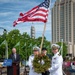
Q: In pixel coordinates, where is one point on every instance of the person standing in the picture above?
(31, 58)
(57, 61)
(44, 51)
(15, 59)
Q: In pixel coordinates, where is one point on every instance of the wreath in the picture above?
(41, 63)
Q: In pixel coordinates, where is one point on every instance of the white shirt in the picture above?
(15, 55)
(56, 66)
(32, 72)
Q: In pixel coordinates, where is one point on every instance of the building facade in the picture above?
(33, 32)
(63, 23)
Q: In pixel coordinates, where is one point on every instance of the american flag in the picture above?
(38, 13)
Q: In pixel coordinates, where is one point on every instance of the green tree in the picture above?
(24, 43)
(13, 37)
(2, 46)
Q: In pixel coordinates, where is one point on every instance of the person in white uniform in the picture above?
(31, 58)
(57, 61)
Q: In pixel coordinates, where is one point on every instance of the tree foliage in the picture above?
(25, 45)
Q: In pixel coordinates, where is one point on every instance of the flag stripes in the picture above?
(38, 13)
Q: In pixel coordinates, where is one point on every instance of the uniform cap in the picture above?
(55, 46)
(36, 48)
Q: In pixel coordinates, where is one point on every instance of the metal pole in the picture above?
(6, 44)
(6, 50)
(62, 47)
(19, 48)
(26, 57)
(31, 47)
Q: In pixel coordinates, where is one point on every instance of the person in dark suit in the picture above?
(44, 51)
(15, 60)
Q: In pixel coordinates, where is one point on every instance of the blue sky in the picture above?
(9, 11)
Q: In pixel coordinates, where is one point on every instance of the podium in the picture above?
(14, 68)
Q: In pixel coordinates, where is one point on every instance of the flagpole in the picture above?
(43, 34)
(62, 47)
(42, 37)
(19, 49)
(7, 49)
(6, 52)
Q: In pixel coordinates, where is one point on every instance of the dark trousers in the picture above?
(46, 73)
(10, 70)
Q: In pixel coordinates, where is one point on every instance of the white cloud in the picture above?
(5, 13)
(11, 13)
(6, 1)
(5, 22)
